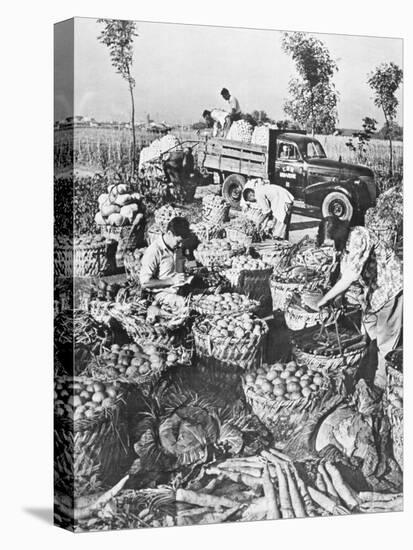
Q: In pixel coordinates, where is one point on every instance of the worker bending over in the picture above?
(276, 205)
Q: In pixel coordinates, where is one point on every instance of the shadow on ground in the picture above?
(44, 514)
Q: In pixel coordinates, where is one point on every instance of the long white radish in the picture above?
(202, 499)
(285, 502)
(308, 503)
(272, 508)
(330, 489)
(298, 507)
(371, 496)
(346, 493)
(327, 503)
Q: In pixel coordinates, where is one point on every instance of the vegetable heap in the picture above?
(222, 304)
(90, 241)
(132, 360)
(240, 130)
(284, 381)
(84, 398)
(260, 135)
(240, 327)
(325, 342)
(118, 207)
(155, 150)
(165, 214)
(295, 274)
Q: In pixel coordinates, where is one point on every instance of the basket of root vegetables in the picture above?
(165, 214)
(284, 396)
(91, 439)
(84, 256)
(228, 303)
(237, 340)
(242, 230)
(217, 252)
(394, 401)
(206, 231)
(274, 253)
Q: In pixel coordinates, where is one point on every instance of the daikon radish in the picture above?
(285, 502)
(309, 505)
(346, 493)
(202, 499)
(298, 507)
(217, 517)
(330, 489)
(280, 455)
(272, 508)
(367, 496)
(320, 483)
(327, 503)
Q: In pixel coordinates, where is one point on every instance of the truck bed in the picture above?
(236, 157)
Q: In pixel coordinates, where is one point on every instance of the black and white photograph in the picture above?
(228, 274)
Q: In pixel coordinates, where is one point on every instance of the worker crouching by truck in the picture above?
(276, 205)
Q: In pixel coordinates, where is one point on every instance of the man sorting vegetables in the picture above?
(276, 205)
(374, 265)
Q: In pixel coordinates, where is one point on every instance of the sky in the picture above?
(180, 70)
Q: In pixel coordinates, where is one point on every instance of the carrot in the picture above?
(298, 508)
(285, 502)
(330, 489)
(273, 511)
(327, 503)
(202, 499)
(346, 493)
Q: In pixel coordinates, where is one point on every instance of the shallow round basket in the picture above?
(285, 418)
(216, 258)
(91, 453)
(332, 364)
(81, 260)
(245, 353)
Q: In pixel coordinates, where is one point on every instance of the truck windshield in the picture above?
(315, 150)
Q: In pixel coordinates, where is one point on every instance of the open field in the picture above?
(97, 148)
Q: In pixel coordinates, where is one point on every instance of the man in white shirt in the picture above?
(219, 119)
(158, 269)
(233, 103)
(276, 205)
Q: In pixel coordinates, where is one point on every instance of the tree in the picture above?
(385, 81)
(260, 116)
(118, 36)
(362, 139)
(313, 97)
(395, 130)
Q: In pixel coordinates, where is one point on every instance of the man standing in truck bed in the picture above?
(234, 108)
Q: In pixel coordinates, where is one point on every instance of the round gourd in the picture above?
(103, 198)
(129, 211)
(99, 220)
(123, 200)
(116, 219)
(108, 209)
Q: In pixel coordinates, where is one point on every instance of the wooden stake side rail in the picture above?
(236, 157)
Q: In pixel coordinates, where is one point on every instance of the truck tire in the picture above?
(232, 189)
(337, 204)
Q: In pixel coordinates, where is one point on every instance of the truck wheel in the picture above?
(337, 204)
(232, 189)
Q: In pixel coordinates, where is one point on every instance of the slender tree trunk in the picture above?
(390, 146)
(133, 130)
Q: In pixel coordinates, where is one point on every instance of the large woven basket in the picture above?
(91, 453)
(287, 418)
(214, 213)
(395, 414)
(126, 237)
(81, 260)
(298, 317)
(245, 353)
(217, 258)
(255, 284)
